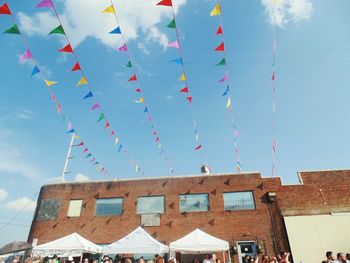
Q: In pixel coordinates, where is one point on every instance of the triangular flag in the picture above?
(95, 106)
(58, 105)
(157, 139)
(102, 116)
(89, 95)
(85, 150)
(69, 126)
(177, 61)
(116, 31)
(26, 55)
(82, 81)
(138, 90)
(53, 96)
(35, 71)
(123, 48)
(224, 78)
(133, 78)
(174, 44)
(89, 155)
(13, 30)
(5, 10)
(67, 49)
(70, 131)
(116, 141)
(129, 65)
(172, 24)
(226, 91)
(219, 31)
(57, 30)
(228, 104)
(80, 144)
(112, 133)
(45, 3)
(106, 125)
(141, 100)
(154, 132)
(145, 110)
(76, 67)
(95, 163)
(182, 77)
(165, 3)
(198, 147)
(92, 160)
(189, 99)
(185, 90)
(216, 10)
(220, 47)
(222, 62)
(109, 9)
(49, 82)
(120, 147)
(273, 76)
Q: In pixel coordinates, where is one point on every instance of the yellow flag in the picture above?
(228, 104)
(216, 11)
(76, 137)
(142, 99)
(82, 81)
(49, 82)
(182, 77)
(109, 9)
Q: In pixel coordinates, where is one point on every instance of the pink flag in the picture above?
(58, 107)
(45, 3)
(26, 55)
(112, 133)
(123, 48)
(224, 78)
(174, 44)
(95, 106)
(85, 150)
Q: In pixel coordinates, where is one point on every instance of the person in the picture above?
(195, 260)
(206, 259)
(160, 259)
(85, 260)
(329, 257)
(140, 260)
(212, 258)
(347, 257)
(105, 259)
(340, 258)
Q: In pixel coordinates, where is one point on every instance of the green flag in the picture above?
(57, 30)
(129, 65)
(13, 30)
(222, 62)
(102, 116)
(172, 24)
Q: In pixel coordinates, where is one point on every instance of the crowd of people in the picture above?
(340, 258)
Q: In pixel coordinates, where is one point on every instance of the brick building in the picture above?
(245, 209)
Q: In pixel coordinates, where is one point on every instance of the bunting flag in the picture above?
(141, 100)
(115, 31)
(71, 131)
(57, 30)
(89, 95)
(182, 77)
(177, 61)
(76, 67)
(228, 104)
(185, 90)
(120, 147)
(216, 10)
(189, 99)
(145, 110)
(138, 90)
(107, 125)
(219, 31)
(129, 65)
(109, 9)
(133, 78)
(85, 150)
(67, 49)
(112, 133)
(224, 78)
(172, 24)
(35, 71)
(198, 147)
(116, 141)
(165, 3)
(220, 47)
(87, 156)
(45, 3)
(95, 106)
(26, 55)
(50, 82)
(273, 76)
(82, 81)
(102, 116)
(13, 30)
(226, 91)
(174, 44)
(123, 48)
(4, 9)
(222, 62)
(58, 106)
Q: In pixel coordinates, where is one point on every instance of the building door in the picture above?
(246, 248)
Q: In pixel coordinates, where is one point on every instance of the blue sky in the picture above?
(312, 124)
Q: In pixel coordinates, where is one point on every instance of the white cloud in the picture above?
(81, 178)
(3, 194)
(22, 204)
(82, 19)
(281, 12)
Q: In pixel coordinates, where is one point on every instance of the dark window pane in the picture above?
(109, 206)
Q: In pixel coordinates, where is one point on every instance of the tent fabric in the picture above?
(71, 245)
(138, 241)
(198, 242)
(13, 247)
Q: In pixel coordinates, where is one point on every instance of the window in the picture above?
(150, 205)
(109, 206)
(239, 201)
(194, 203)
(74, 208)
(48, 209)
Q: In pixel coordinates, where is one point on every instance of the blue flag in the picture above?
(115, 31)
(35, 70)
(226, 91)
(89, 95)
(177, 61)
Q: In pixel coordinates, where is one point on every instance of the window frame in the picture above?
(151, 196)
(239, 209)
(110, 198)
(208, 198)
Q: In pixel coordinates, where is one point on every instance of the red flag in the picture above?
(58, 107)
(133, 78)
(138, 90)
(67, 48)
(165, 3)
(85, 150)
(220, 47)
(112, 133)
(107, 124)
(157, 139)
(80, 144)
(219, 31)
(198, 147)
(76, 67)
(189, 99)
(273, 76)
(5, 10)
(53, 97)
(154, 132)
(185, 90)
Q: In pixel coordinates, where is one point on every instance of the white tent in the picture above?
(71, 245)
(138, 241)
(198, 242)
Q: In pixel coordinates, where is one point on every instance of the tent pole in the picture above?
(229, 256)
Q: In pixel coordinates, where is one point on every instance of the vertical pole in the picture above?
(67, 158)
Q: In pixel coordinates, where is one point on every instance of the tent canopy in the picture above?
(198, 242)
(71, 245)
(138, 241)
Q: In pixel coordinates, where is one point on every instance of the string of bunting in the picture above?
(183, 77)
(36, 71)
(273, 79)
(216, 11)
(135, 80)
(96, 106)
